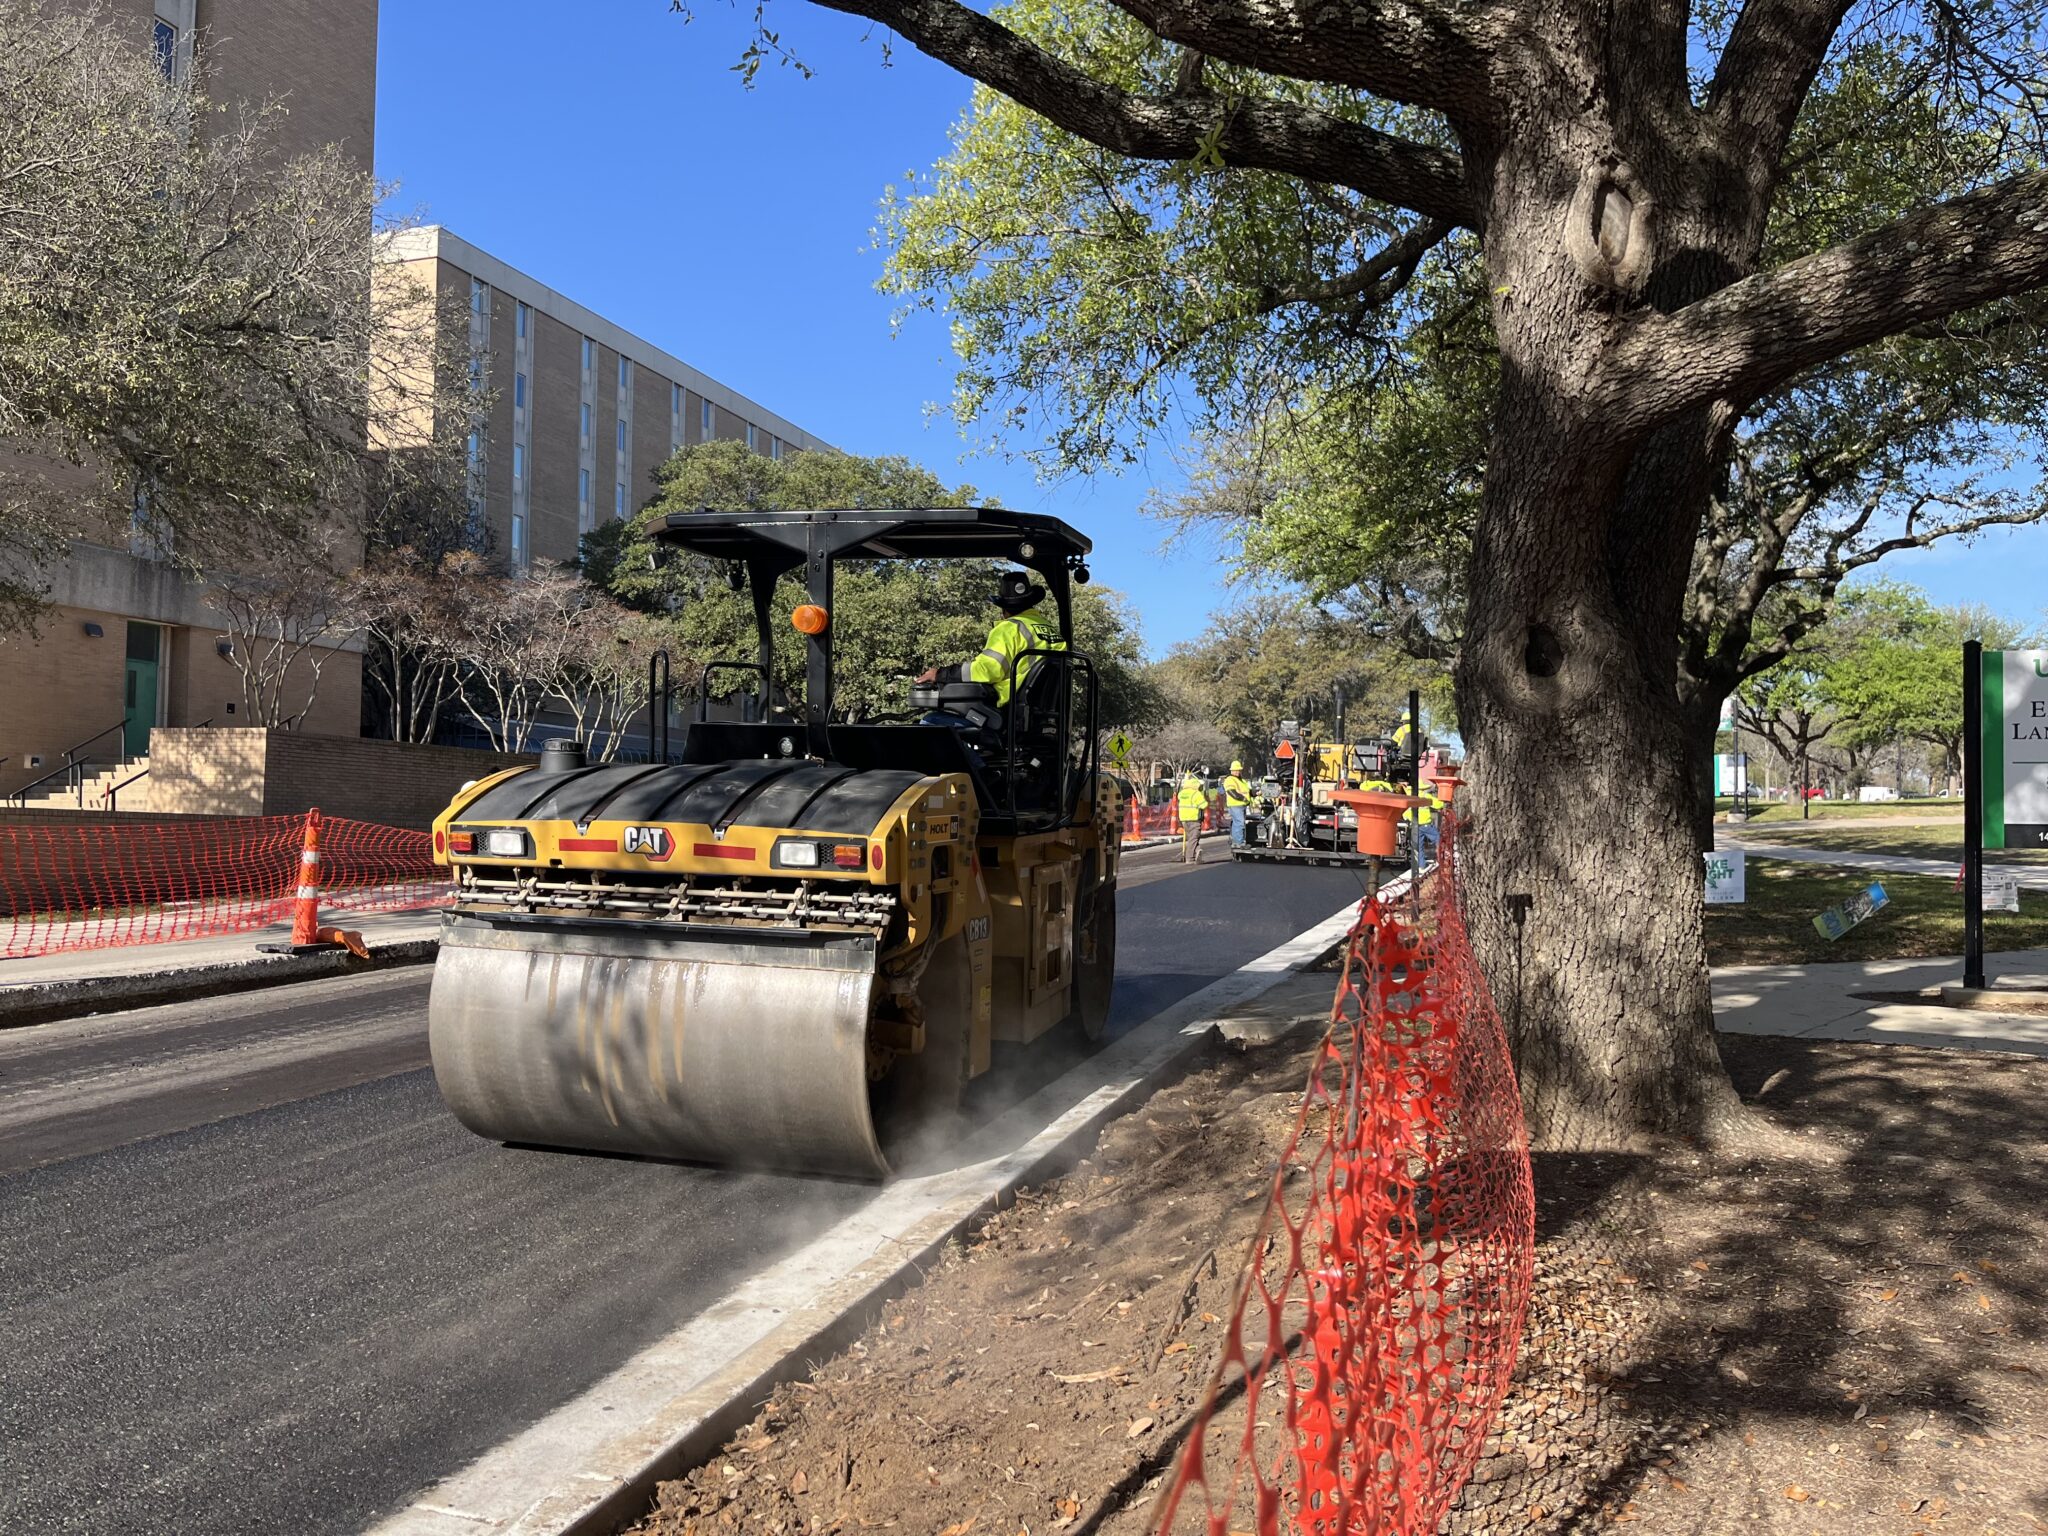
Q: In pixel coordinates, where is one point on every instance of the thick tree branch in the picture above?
(1753, 335)
(1402, 50)
(1773, 54)
(1376, 280)
(1258, 135)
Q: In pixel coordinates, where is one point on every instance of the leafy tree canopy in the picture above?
(190, 336)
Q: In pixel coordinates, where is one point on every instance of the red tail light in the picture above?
(849, 855)
(462, 842)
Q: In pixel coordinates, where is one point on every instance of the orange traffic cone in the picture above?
(308, 937)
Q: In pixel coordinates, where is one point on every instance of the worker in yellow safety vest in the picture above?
(1426, 831)
(1024, 626)
(1237, 799)
(1404, 739)
(1193, 800)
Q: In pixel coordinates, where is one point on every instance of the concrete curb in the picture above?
(46, 1002)
(594, 1462)
(1995, 999)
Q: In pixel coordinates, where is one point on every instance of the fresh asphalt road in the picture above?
(253, 1276)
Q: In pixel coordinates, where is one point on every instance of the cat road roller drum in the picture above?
(794, 947)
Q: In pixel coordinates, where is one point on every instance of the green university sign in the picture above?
(2015, 755)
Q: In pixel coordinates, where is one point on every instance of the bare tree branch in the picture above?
(1421, 54)
(1766, 69)
(1753, 335)
(1258, 135)
(1376, 280)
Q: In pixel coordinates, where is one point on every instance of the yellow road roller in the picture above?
(795, 945)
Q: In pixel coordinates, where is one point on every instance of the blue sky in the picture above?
(618, 158)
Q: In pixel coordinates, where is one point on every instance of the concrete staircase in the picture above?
(99, 780)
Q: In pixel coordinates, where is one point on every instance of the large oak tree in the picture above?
(1617, 165)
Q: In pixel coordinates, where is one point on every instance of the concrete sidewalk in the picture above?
(1868, 1001)
(2033, 877)
(140, 975)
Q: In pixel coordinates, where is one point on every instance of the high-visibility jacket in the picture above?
(1425, 813)
(1236, 792)
(1404, 734)
(1192, 799)
(1013, 635)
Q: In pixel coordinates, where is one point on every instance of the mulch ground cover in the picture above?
(1845, 1338)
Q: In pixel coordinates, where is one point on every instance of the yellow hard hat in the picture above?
(1236, 766)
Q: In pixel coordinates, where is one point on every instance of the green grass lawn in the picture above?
(1935, 842)
(1775, 811)
(1923, 918)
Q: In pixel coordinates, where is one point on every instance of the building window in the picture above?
(705, 415)
(476, 451)
(519, 390)
(167, 48)
(479, 296)
(750, 436)
(625, 373)
(518, 541)
(589, 353)
(774, 447)
(675, 399)
(523, 313)
(518, 465)
(586, 421)
(622, 435)
(582, 487)
(476, 375)
(619, 499)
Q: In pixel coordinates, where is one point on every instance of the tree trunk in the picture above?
(1586, 789)
(1700, 721)
(1584, 794)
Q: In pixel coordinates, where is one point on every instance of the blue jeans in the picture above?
(1426, 837)
(1237, 826)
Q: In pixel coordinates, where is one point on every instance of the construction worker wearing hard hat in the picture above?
(1024, 626)
(1424, 826)
(1192, 800)
(1237, 799)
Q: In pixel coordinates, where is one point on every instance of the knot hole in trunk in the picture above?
(1609, 229)
(1542, 652)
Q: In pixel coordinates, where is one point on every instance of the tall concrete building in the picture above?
(130, 643)
(582, 412)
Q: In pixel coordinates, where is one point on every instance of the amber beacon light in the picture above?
(809, 619)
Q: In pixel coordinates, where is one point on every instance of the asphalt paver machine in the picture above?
(796, 945)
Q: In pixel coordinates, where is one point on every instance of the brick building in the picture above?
(130, 644)
(582, 412)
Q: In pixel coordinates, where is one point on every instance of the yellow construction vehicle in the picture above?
(795, 946)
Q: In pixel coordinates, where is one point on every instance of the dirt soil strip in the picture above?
(595, 1462)
(1844, 1341)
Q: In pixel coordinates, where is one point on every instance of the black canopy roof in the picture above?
(920, 533)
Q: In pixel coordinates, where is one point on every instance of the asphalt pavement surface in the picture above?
(254, 1277)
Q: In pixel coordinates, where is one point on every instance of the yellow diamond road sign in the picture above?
(1120, 749)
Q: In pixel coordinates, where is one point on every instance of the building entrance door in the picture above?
(145, 642)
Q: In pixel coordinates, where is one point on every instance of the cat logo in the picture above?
(654, 842)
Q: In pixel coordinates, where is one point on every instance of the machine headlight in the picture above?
(503, 843)
(792, 854)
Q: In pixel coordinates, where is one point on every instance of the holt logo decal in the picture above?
(653, 842)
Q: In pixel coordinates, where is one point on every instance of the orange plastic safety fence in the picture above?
(71, 887)
(1381, 1305)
